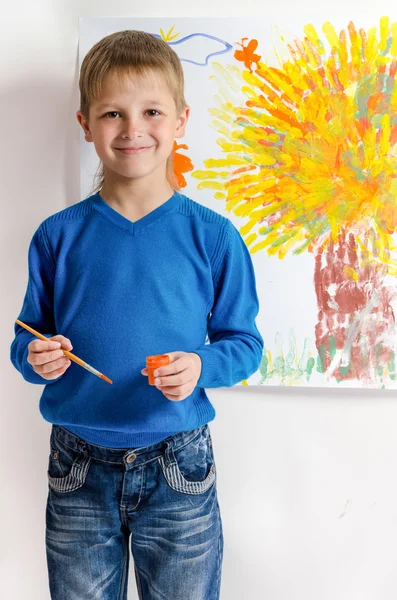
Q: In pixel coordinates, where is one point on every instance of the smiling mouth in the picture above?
(133, 150)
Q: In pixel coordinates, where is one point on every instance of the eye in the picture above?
(112, 112)
(152, 112)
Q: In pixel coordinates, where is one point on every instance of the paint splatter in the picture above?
(356, 322)
(287, 367)
(170, 35)
(313, 148)
(195, 43)
(181, 164)
(247, 53)
(310, 155)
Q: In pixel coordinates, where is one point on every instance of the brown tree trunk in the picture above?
(355, 328)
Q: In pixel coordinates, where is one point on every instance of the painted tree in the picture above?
(310, 163)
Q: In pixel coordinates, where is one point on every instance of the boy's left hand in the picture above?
(178, 379)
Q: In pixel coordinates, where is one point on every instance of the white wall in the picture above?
(306, 477)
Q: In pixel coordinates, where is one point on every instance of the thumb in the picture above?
(65, 342)
(174, 355)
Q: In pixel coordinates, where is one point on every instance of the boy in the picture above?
(134, 270)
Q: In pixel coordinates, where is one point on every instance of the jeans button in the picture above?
(131, 458)
(56, 455)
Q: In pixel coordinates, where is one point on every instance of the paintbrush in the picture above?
(71, 356)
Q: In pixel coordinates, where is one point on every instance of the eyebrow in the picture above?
(114, 104)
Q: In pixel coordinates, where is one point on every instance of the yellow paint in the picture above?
(313, 148)
(168, 37)
(351, 273)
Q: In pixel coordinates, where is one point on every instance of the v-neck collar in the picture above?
(134, 227)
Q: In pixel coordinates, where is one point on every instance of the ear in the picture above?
(85, 126)
(181, 122)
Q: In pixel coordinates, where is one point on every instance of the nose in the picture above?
(132, 127)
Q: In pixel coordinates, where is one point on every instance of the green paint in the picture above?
(379, 368)
(321, 358)
(332, 345)
(280, 240)
(297, 366)
(392, 367)
(263, 366)
(345, 370)
(379, 371)
(279, 364)
(310, 364)
(289, 366)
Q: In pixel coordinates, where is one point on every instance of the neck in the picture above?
(135, 198)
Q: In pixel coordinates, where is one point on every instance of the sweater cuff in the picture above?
(210, 376)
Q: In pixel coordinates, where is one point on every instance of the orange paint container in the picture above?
(153, 362)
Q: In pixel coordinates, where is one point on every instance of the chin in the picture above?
(136, 174)
(136, 171)
(130, 173)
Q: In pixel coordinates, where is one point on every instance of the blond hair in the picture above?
(130, 52)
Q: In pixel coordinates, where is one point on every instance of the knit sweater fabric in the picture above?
(178, 279)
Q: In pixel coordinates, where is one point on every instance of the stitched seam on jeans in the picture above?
(125, 571)
(120, 463)
(56, 460)
(64, 444)
(189, 441)
(74, 480)
(123, 514)
(143, 464)
(138, 583)
(175, 449)
(219, 550)
(110, 462)
(143, 474)
(178, 483)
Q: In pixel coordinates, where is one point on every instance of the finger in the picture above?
(177, 366)
(55, 374)
(66, 343)
(55, 365)
(178, 395)
(173, 380)
(179, 390)
(41, 358)
(41, 346)
(173, 398)
(144, 371)
(173, 356)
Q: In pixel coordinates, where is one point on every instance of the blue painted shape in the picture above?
(226, 47)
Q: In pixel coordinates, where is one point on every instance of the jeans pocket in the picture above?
(67, 467)
(192, 467)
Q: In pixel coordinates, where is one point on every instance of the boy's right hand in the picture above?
(47, 358)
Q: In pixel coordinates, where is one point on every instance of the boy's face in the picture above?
(133, 125)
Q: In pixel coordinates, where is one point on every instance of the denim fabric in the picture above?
(161, 498)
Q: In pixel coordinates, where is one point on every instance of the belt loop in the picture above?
(82, 445)
(169, 455)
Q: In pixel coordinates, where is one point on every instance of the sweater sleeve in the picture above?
(235, 349)
(37, 309)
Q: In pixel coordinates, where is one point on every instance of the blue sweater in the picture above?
(177, 278)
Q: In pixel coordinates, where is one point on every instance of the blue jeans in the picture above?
(163, 496)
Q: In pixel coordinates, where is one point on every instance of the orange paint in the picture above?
(153, 362)
(244, 169)
(182, 164)
(247, 54)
